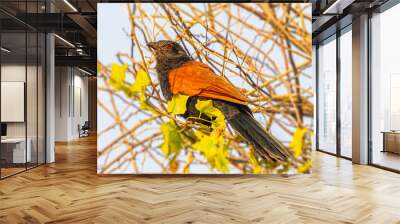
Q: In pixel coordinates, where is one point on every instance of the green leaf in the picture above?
(204, 105)
(177, 105)
(213, 146)
(143, 102)
(139, 86)
(117, 80)
(172, 139)
(214, 149)
(205, 145)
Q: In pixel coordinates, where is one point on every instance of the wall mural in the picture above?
(213, 88)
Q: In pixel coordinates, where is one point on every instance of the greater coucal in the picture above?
(178, 73)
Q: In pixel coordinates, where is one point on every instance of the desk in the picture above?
(391, 141)
(16, 147)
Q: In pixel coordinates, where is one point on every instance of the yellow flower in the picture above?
(177, 105)
(142, 80)
(118, 75)
(298, 141)
(304, 167)
(206, 107)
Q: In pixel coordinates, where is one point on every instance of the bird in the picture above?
(178, 73)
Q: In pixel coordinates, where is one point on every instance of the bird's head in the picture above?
(166, 49)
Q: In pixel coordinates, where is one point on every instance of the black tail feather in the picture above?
(265, 145)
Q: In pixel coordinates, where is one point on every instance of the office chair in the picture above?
(84, 130)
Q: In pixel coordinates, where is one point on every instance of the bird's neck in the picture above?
(163, 67)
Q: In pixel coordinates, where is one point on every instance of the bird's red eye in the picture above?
(168, 46)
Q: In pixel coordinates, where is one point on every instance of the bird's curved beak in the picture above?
(152, 45)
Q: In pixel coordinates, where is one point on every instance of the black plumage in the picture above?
(171, 55)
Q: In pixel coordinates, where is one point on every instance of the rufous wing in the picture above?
(197, 79)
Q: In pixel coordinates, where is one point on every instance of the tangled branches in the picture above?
(263, 49)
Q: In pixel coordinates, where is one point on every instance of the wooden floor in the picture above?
(5, 172)
(69, 191)
(387, 159)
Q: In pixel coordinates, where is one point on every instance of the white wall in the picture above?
(80, 110)
(71, 102)
(62, 82)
